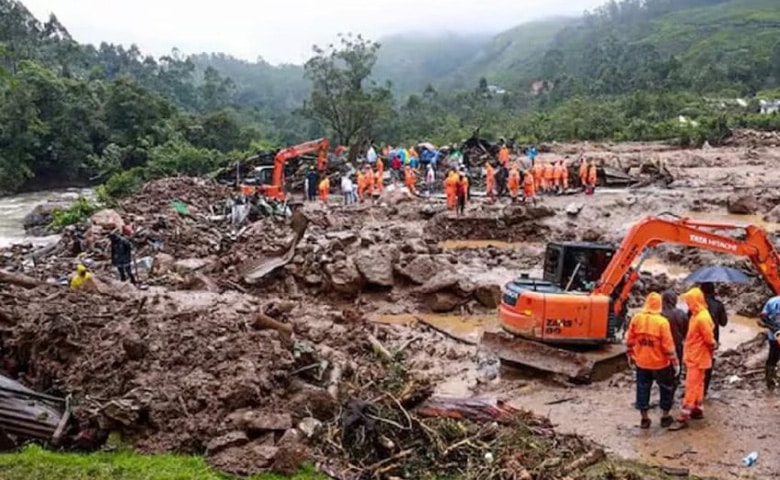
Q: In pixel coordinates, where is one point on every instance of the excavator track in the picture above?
(577, 366)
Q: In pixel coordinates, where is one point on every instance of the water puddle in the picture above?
(738, 331)
(466, 328)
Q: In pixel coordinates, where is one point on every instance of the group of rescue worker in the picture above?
(121, 249)
(662, 338)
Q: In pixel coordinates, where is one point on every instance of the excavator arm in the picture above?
(320, 146)
(654, 231)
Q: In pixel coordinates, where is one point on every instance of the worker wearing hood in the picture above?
(650, 348)
(699, 347)
(678, 320)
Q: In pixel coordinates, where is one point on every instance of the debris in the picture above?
(742, 204)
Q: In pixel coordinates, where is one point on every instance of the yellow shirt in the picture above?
(78, 280)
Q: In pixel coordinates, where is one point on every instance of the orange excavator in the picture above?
(269, 180)
(572, 320)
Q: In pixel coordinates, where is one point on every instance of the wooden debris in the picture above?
(591, 458)
(264, 322)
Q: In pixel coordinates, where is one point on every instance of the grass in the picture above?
(35, 463)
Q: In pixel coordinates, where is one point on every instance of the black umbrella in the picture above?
(717, 274)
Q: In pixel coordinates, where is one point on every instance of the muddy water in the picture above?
(476, 244)
(13, 209)
(658, 267)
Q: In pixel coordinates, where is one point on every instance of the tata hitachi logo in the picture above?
(713, 242)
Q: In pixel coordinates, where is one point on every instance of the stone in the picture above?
(40, 217)
(488, 295)
(742, 204)
(421, 269)
(442, 302)
(376, 265)
(188, 265)
(344, 277)
(107, 219)
(773, 216)
(309, 426)
(263, 421)
(573, 209)
(229, 440)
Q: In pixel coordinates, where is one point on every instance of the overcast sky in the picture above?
(285, 31)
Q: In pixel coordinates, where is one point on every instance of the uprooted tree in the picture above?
(341, 97)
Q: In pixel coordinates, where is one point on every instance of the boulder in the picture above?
(40, 217)
(437, 283)
(421, 269)
(245, 460)
(107, 219)
(376, 265)
(442, 302)
(188, 265)
(489, 295)
(742, 204)
(232, 439)
(574, 208)
(163, 263)
(344, 277)
(773, 216)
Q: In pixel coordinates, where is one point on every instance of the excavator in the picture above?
(571, 321)
(268, 180)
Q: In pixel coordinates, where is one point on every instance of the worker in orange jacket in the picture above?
(700, 345)
(564, 175)
(324, 188)
(490, 180)
(548, 177)
(513, 183)
(410, 178)
(379, 176)
(583, 173)
(592, 177)
(503, 155)
(361, 184)
(450, 188)
(557, 176)
(650, 348)
(538, 170)
(370, 181)
(529, 187)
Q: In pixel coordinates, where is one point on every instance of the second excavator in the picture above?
(572, 320)
(268, 180)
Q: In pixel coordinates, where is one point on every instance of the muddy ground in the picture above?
(260, 374)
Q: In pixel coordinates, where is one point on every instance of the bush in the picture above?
(82, 209)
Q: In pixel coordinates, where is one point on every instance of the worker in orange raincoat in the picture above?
(361, 184)
(583, 173)
(592, 177)
(650, 348)
(503, 155)
(322, 160)
(513, 182)
(370, 181)
(324, 189)
(564, 175)
(490, 180)
(700, 345)
(450, 188)
(538, 170)
(379, 176)
(557, 176)
(529, 187)
(548, 177)
(410, 179)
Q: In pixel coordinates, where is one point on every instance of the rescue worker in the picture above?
(430, 179)
(592, 177)
(467, 182)
(322, 160)
(347, 189)
(719, 318)
(538, 170)
(81, 278)
(370, 181)
(557, 177)
(379, 176)
(529, 190)
(513, 183)
(410, 179)
(564, 176)
(461, 188)
(312, 180)
(650, 349)
(503, 155)
(583, 173)
(547, 177)
(361, 185)
(532, 154)
(490, 180)
(324, 189)
(770, 318)
(450, 188)
(122, 254)
(698, 350)
(678, 320)
(502, 177)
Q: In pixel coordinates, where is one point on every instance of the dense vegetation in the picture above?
(72, 113)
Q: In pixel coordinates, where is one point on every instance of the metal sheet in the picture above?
(26, 413)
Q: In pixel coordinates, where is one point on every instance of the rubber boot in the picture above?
(769, 376)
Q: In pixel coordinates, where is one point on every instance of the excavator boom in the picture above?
(547, 320)
(276, 188)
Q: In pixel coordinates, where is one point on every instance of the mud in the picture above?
(254, 376)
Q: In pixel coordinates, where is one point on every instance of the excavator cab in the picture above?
(576, 266)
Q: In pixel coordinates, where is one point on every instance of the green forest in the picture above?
(77, 114)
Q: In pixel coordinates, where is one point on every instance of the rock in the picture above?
(773, 216)
(290, 458)
(591, 235)
(312, 280)
(573, 209)
(135, 348)
(245, 460)
(415, 245)
(441, 302)
(489, 295)
(742, 204)
(261, 421)
(188, 265)
(376, 265)
(440, 281)
(107, 219)
(309, 426)
(232, 439)
(163, 263)
(343, 237)
(40, 217)
(421, 269)
(344, 277)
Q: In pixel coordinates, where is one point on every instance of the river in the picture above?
(14, 208)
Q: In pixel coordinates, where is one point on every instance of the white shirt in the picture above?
(346, 185)
(371, 155)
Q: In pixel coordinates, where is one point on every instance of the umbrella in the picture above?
(717, 274)
(426, 145)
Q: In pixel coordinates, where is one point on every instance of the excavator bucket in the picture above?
(577, 366)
